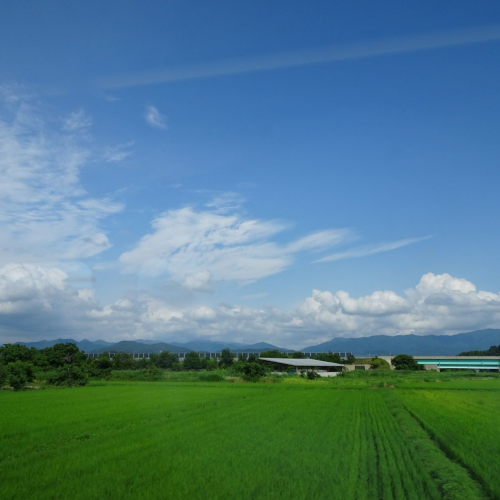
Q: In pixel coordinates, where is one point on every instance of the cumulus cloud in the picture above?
(45, 213)
(154, 118)
(40, 302)
(186, 243)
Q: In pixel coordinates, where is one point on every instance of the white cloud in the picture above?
(45, 213)
(186, 243)
(277, 61)
(116, 154)
(366, 250)
(39, 302)
(154, 118)
(77, 120)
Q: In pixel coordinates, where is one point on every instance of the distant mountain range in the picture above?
(84, 345)
(438, 345)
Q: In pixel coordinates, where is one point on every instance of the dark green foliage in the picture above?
(298, 355)
(405, 362)
(176, 367)
(16, 352)
(70, 376)
(330, 357)
(4, 375)
(253, 371)
(380, 364)
(312, 375)
(273, 353)
(17, 382)
(192, 361)
(152, 372)
(211, 377)
(123, 361)
(226, 358)
(492, 351)
(20, 373)
(211, 365)
(102, 362)
(166, 360)
(350, 359)
(61, 354)
(141, 363)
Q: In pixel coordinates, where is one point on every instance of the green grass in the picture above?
(296, 439)
(466, 424)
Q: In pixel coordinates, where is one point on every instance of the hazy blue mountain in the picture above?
(146, 341)
(84, 345)
(131, 346)
(263, 346)
(209, 345)
(438, 345)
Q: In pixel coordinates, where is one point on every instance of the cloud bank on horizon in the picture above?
(32, 295)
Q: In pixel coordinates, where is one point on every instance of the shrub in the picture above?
(70, 376)
(405, 362)
(379, 364)
(20, 373)
(4, 375)
(153, 373)
(211, 377)
(253, 371)
(312, 375)
(18, 382)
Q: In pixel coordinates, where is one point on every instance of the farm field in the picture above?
(296, 439)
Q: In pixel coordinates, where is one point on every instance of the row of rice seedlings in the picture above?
(465, 423)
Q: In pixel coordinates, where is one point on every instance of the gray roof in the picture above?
(300, 362)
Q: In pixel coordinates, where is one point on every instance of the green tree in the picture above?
(4, 375)
(298, 355)
(405, 362)
(211, 365)
(226, 358)
(166, 360)
(350, 359)
(123, 361)
(9, 353)
(330, 357)
(61, 354)
(20, 373)
(70, 376)
(253, 371)
(192, 361)
(273, 353)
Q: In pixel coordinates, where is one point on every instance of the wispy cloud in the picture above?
(154, 118)
(116, 154)
(197, 248)
(366, 250)
(45, 213)
(361, 50)
(77, 120)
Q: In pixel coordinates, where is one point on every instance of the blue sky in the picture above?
(232, 170)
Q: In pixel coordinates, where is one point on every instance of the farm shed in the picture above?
(323, 368)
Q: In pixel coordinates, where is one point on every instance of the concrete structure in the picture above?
(477, 363)
(208, 355)
(351, 368)
(322, 368)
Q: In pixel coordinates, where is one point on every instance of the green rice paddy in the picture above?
(351, 438)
